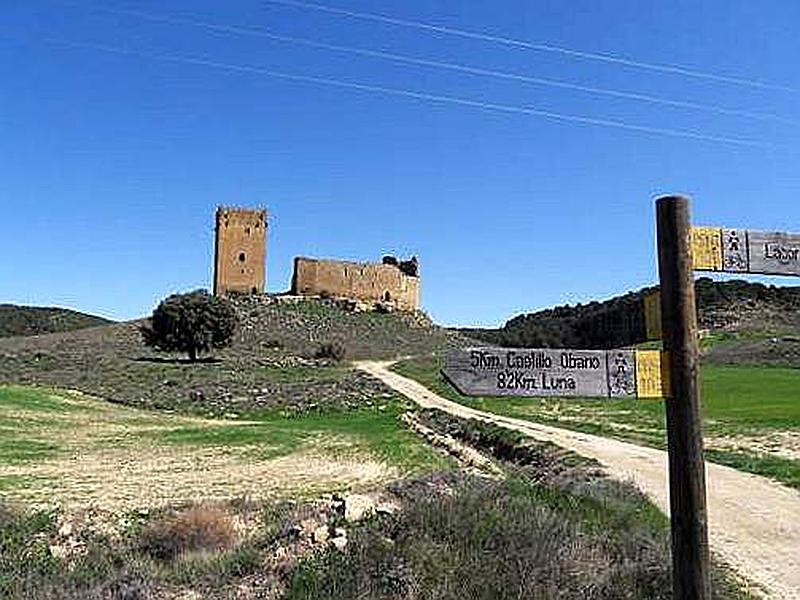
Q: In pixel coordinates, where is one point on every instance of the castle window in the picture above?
(241, 257)
(247, 230)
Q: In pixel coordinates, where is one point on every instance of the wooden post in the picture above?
(687, 483)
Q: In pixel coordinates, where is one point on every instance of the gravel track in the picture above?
(754, 523)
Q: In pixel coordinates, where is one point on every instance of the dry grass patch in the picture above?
(781, 444)
(80, 452)
(197, 529)
(118, 480)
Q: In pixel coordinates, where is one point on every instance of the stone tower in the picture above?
(240, 251)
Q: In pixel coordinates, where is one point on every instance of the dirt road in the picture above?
(754, 524)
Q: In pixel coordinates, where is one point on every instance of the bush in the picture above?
(486, 539)
(198, 529)
(410, 267)
(24, 552)
(192, 323)
(335, 351)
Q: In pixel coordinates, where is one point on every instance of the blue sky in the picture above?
(111, 164)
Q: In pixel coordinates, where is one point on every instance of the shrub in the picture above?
(487, 539)
(192, 323)
(197, 529)
(24, 552)
(335, 351)
(410, 267)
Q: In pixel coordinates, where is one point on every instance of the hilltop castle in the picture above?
(240, 267)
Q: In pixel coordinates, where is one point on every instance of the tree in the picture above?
(193, 323)
(410, 267)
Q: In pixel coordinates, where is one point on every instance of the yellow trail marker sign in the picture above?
(652, 374)
(707, 248)
(548, 372)
(652, 316)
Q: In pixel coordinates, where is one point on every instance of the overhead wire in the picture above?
(461, 68)
(538, 46)
(415, 94)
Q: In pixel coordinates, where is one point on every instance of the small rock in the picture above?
(386, 509)
(339, 542)
(295, 531)
(308, 527)
(358, 506)
(340, 532)
(321, 534)
(59, 552)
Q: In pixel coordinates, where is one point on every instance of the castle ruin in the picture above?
(240, 267)
(240, 251)
(389, 282)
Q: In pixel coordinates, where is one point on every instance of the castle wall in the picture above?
(240, 251)
(368, 282)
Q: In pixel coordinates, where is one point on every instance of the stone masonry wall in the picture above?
(368, 282)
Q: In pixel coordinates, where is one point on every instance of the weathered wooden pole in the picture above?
(687, 482)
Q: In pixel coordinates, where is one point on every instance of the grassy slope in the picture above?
(40, 427)
(37, 320)
(267, 366)
(47, 432)
(571, 534)
(556, 527)
(743, 401)
(264, 377)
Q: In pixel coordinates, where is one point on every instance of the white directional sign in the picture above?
(745, 251)
(485, 371)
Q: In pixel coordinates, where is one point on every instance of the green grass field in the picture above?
(751, 415)
(66, 447)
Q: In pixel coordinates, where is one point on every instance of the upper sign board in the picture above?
(486, 371)
(744, 251)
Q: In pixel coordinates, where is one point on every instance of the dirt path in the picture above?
(754, 524)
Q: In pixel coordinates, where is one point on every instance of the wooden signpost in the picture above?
(668, 314)
(687, 479)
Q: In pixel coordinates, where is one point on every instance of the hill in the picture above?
(35, 320)
(745, 322)
(270, 364)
